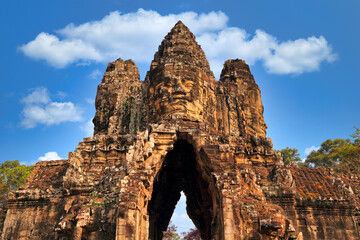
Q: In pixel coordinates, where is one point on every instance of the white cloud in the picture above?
(310, 149)
(90, 101)
(50, 156)
(40, 110)
(60, 53)
(136, 35)
(301, 55)
(96, 74)
(61, 94)
(132, 35)
(88, 128)
(291, 57)
(37, 96)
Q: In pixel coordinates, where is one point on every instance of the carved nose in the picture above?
(178, 88)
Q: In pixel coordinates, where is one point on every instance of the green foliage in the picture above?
(94, 203)
(125, 103)
(343, 155)
(192, 234)
(323, 157)
(170, 233)
(290, 155)
(348, 157)
(12, 176)
(356, 135)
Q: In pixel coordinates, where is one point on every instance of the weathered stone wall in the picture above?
(34, 210)
(117, 103)
(180, 130)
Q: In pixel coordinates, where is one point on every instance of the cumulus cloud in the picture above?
(50, 156)
(310, 149)
(37, 96)
(291, 57)
(39, 109)
(136, 35)
(132, 35)
(90, 101)
(61, 94)
(96, 74)
(60, 53)
(301, 55)
(88, 128)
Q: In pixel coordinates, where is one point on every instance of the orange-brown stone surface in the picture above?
(181, 130)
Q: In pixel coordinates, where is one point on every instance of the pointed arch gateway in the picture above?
(183, 169)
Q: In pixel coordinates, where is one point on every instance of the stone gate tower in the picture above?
(181, 130)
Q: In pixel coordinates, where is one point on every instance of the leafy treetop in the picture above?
(12, 176)
(343, 155)
(290, 155)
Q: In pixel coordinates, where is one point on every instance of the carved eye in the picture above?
(167, 84)
(189, 84)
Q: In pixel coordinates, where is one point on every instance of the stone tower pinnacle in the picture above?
(179, 45)
(178, 77)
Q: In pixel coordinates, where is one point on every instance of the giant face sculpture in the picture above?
(176, 91)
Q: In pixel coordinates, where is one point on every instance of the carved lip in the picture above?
(179, 94)
(175, 93)
(181, 97)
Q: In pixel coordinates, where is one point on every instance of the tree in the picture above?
(348, 157)
(343, 155)
(356, 136)
(192, 234)
(170, 233)
(12, 176)
(324, 156)
(290, 155)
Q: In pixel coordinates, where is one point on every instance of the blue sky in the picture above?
(303, 55)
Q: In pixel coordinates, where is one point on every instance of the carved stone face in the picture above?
(177, 93)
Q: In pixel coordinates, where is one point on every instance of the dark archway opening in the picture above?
(181, 171)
